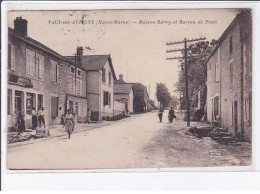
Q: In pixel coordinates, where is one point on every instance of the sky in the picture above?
(138, 49)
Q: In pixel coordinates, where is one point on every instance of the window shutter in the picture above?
(57, 75)
(9, 56)
(12, 57)
(104, 98)
(53, 70)
(109, 99)
(40, 66)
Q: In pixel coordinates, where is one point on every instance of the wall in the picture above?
(231, 92)
(107, 110)
(213, 87)
(119, 107)
(40, 86)
(93, 93)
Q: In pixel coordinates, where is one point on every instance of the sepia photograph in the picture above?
(129, 89)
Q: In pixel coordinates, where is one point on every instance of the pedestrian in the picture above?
(171, 115)
(69, 122)
(160, 114)
(88, 116)
(41, 115)
(74, 118)
(34, 119)
(20, 122)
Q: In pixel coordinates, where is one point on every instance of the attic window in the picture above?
(72, 70)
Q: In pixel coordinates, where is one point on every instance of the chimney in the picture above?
(121, 77)
(20, 26)
(79, 55)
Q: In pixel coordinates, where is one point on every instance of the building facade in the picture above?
(36, 78)
(100, 87)
(229, 79)
(124, 92)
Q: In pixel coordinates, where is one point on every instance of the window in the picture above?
(11, 57)
(216, 107)
(230, 45)
(55, 72)
(109, 99)
(30, 62)
(19, 99)
(76, 107)
(104, 75)
(78, 86)
(106, 98)
(109, 78)
(71, 85)
(54, 106)
(79, 73)
(70, 105)
(40, 65)
(209, 66)
(9, 102)
(30, 102)
(40, 101)
(248, 108)
(72, 70)
(231, 73)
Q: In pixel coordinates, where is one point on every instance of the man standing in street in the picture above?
(160, 114)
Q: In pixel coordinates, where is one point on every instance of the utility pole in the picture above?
(185, 68)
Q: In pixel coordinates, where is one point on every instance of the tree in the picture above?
(163, 95)
(174, 101)
(197, 72)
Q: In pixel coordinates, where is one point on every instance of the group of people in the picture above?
(37, 118)
(171, 114)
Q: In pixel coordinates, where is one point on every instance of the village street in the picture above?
(136, 142)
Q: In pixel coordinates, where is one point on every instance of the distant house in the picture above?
(37, 77)
(229, 78)
(124, 92)
(141, 97)
(100, 85)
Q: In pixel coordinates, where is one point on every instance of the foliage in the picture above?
(197, 72)
(163, 94)
(174, 102)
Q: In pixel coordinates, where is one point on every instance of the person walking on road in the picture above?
(160, 114)
(171, 115)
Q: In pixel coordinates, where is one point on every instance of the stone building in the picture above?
(229, 78)
(100, 85)
(124, 92)
(37, 77)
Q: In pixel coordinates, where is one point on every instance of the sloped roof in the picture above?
(94, 62)
(122, 88)
(37, 44)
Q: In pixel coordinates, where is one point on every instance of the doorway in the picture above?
(235, 116)
(18, 101)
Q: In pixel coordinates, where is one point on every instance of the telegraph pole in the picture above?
(185, 68)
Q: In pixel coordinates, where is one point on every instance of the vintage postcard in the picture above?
(129, 89)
